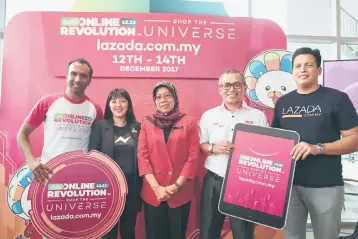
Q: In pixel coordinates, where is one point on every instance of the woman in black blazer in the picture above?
(117, 137)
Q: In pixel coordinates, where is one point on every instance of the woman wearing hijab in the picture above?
(168, 157)
(117, 137)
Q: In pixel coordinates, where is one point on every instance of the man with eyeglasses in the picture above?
(216, 132)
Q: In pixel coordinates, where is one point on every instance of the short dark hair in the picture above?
(231, 71)
(306, 50)
(115, 94)
(82, 61)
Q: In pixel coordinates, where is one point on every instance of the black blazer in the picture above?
(102, 140)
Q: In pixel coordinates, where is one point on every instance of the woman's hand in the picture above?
(172, 189)
(162, 194)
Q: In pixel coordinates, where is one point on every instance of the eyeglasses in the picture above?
(236, 85)
(165, 97)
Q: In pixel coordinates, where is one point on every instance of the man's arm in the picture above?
(221, 147)
(346, 145)
(204, 148)
(345, 116)
(40, 171)
(204, 135)
(23, 140)
(33, 120)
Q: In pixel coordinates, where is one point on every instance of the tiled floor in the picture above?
(344, 232)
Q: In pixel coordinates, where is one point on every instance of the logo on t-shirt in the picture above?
(123, 140)
(72, 119)
(75, 125)
(301, 111)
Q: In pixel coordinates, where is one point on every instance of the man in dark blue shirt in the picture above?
(327, 122)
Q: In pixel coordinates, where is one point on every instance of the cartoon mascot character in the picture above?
(17, 199)
(268, 77)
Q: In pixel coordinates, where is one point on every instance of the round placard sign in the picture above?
(83, 199)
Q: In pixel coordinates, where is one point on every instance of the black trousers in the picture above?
(211, 220)
(163, 222)
(128, 219)
(126, 224)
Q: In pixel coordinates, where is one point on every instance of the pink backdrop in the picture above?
(26, 78)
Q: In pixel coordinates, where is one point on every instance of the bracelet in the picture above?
(211, 148)
(177, 185)
(156, 188)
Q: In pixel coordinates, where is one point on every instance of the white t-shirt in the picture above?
(218, 124)
(67, 124)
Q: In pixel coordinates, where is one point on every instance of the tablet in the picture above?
(259, 175)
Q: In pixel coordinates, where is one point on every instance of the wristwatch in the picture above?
(321, 148)
(211, 148)
(178, 186)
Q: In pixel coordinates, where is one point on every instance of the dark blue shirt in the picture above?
(318, 117)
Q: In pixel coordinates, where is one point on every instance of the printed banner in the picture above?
(151, 45)
(40, 53)
(259, 173)
(84, 197)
